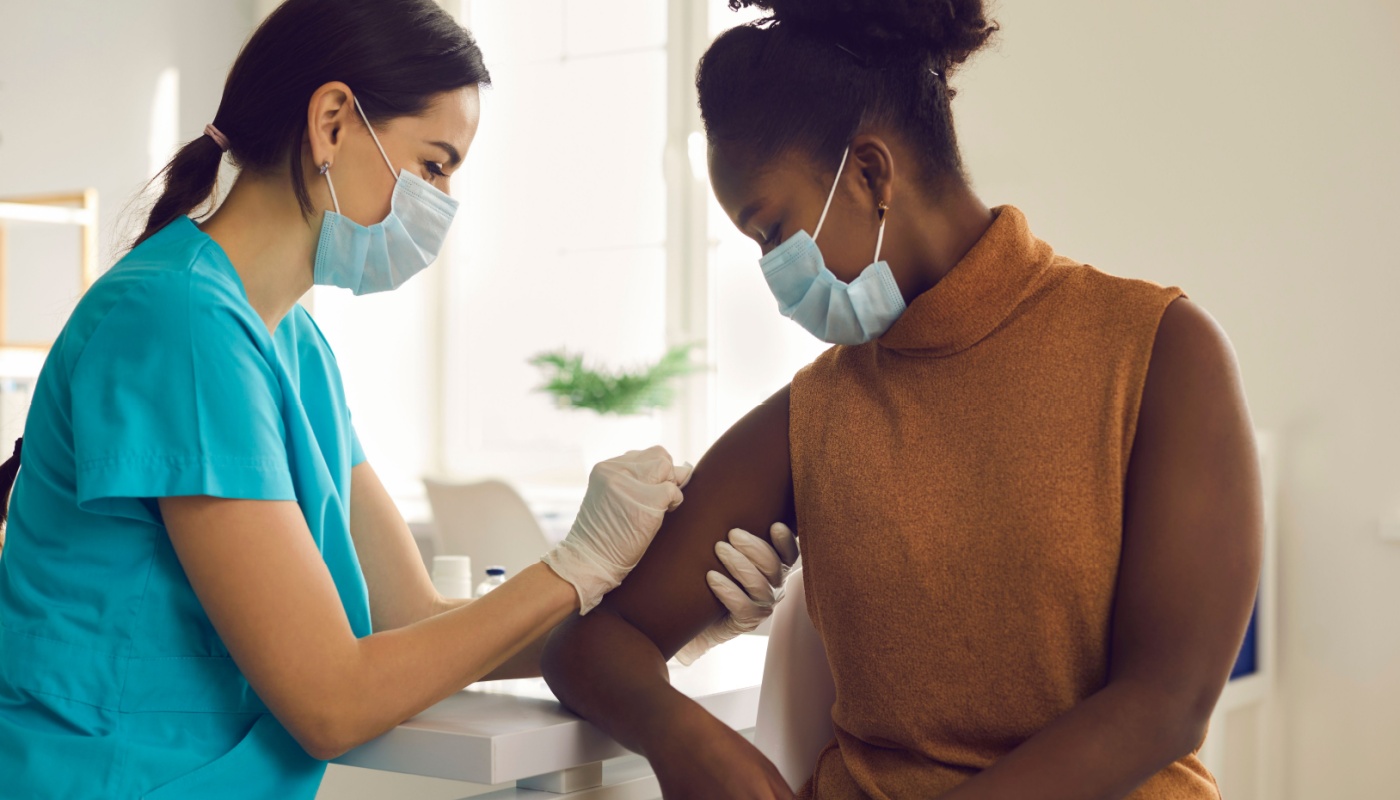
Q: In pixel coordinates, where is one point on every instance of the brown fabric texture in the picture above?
(959, 487)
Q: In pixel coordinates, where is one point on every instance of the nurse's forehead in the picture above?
(451, 117)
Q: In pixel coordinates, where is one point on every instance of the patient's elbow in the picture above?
(1196, 720)
(1184, 720)
(560, 650)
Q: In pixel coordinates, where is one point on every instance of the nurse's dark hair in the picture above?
(395, 55)
(812, 74)
(8, 472)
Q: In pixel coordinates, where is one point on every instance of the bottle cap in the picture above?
(495, 570)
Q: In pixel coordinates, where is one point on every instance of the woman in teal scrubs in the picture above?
(205, 591)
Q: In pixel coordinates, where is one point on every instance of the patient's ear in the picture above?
(872, 169)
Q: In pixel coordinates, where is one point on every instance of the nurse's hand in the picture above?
(760, 569)
(627, 498)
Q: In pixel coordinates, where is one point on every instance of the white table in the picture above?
(504, 731)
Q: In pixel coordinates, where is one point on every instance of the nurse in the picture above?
(206, 592)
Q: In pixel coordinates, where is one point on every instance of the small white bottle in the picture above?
(452, 576)
(495, 576)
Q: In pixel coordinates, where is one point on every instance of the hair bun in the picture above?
(948, 31)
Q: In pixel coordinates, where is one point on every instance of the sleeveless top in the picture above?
(960, 492)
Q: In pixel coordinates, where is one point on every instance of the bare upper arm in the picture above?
(1193, 518)
(744, 481)
(257, 573)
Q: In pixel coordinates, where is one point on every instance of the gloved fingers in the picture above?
(652, 465)
(673, 495)
(745, 572)
(763, 555)
(721, 631)
(743, 611)
(693, 650)
(683, 472)
(785, 542)
(638, 479)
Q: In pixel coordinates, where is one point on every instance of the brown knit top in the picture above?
(959, 487)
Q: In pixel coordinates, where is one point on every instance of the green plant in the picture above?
(575, 384)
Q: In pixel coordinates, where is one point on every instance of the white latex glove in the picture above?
(627, 498)
(761, 569)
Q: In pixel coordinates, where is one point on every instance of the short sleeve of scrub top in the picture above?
(199, 415)
(357, 453)
(164, 382)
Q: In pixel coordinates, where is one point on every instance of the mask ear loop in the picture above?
(880, 237)
(326, 170)
(832, 195)
(375, 136)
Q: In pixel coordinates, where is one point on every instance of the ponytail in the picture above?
(8, 471)
(189, 182)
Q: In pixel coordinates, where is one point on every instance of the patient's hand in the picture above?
(760, 568)
(703, 758)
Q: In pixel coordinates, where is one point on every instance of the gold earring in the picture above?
(883, 207)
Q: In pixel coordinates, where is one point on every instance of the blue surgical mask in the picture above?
(384, 255)
(829, 308)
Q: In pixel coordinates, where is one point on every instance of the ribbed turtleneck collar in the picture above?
(977, 294)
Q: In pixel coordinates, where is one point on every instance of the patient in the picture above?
(1027, 491)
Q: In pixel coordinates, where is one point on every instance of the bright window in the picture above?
(564, 239)
(586, 223)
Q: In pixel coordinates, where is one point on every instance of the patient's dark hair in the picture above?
(809, 75)
(396, 55)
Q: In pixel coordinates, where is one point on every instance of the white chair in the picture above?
(488, 521)
(795, 700)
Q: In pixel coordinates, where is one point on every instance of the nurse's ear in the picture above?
(327, 115)
(871, 175)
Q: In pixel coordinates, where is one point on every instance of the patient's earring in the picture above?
(881, 209)
(325, 167)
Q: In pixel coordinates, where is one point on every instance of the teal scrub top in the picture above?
(164, 382)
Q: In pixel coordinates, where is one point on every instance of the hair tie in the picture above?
(219, 138)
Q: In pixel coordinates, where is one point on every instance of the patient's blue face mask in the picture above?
(828, 307)
(384, 255)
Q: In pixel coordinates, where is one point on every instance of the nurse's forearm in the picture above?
(396, 674)
(442, 605)
(525, 664)
(267, 590)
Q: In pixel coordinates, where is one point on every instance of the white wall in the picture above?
(1246, 151)
(562, 239)
(77, 82)
(92, 94)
